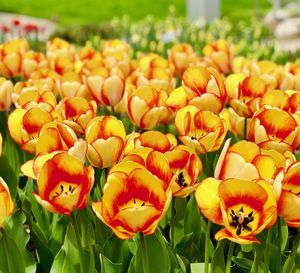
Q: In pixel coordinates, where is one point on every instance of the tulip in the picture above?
(55, 136)
(276, 98)
(64, 184)
(7, 205)
(106, 90)
(133, 200)
(6, 89)
(221, 54)
(289, 202)
(244, 94)
(11, 57)
(235, 123)
(31, 97)
(155, 162)
(186, 168)
(71, 85)
(156, 140)
(205, 88)
(244, 207)
(180, 55)
(245, 160)
(106, 137)
(274, 129)
(32, 61)
(203, 131)
(25, 125)
(146, 107)
(77, 112)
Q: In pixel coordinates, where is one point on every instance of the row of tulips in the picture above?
(110, 161)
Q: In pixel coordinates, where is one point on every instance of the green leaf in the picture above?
(107, 266)
(218, 261)
(68, 259)
(12, 260)
(118, 252)
(187, 248)
(14, 228)
(275, 263)
(243, 262)
(180, 208)
(159, 261)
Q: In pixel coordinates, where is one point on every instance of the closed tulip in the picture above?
(106, 139)
(6, 89)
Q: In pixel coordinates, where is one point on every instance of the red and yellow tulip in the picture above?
(55, 136)
(106, 139)
(6, 89)
(64, 183)
(203, 131)
(205, 88)
(289, 202)
(186, 167)
(76, 112)
(244, 207)
(106, 90)
(6, 202)
(146, 107)
(181, 55)
(221, 55)
(273, 128)
(133, 201)
(25, 125)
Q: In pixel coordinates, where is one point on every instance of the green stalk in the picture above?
(267, 250)
(229, 257)
(245, 128)
(78, 239)
(279, 239)
(173, 211)
(113, 111)
(144, 254)
(206, 254)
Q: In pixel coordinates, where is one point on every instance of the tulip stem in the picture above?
(113, 111)
(267, 251)
(173, 211)
(144, 254)
(279, 239)
(207, 239)
(77, 232)
(229, 257)
(245, 128)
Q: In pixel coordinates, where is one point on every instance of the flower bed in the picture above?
(121, 161)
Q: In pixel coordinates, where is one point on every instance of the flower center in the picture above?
(241, 220)
(180, 180)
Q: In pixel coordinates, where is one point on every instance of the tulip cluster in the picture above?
(153, 126)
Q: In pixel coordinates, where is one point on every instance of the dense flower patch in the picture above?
(120, 163)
